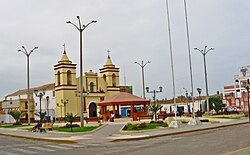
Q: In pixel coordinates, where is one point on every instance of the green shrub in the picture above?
(156, 122)
(204, 120)
(164, 125)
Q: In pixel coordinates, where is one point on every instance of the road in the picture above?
(230, 140)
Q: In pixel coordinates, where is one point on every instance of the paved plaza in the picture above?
(111, 132)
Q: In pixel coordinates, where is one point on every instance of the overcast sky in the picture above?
(133, 30)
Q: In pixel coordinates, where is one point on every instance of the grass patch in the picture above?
(76, 129)
(143, 126)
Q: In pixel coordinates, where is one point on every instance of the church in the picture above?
(96, 87)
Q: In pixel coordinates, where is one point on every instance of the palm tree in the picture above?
(17, 115)
(41, 115)
(70, 118)
(155, 107)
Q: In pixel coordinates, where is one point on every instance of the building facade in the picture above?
(95, 87)
(236, 95)
(63, 96)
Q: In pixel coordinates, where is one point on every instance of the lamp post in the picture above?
(199, 92)
(40, 95)
(81, 28)
(142, 65)
(24, 51)
(61, 109)
(47, 99)
(154, 92)
(247, 87)
(204, 52)
(64, 102)
(187, 99)
(154, 96)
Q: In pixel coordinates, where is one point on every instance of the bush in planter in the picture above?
(204, 120)
(71, 125)
(164, 125)
(142, 125)
(156, 122)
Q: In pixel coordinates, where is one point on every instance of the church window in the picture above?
(104, 77)
(58, 79)
(113, 80)
(69, 79)
(91, 87)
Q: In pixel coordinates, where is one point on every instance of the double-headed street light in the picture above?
(142, 65)
(199, 92)
(24, 51)
(204, 52)
(47, 99)
(154, 92)
(81, 28)
(64, 102)
(40, 95)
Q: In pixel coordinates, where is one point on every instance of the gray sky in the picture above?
(133, 30)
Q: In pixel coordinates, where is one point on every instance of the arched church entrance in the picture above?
(92, 110)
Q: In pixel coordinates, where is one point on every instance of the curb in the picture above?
(176, 133)
(40, 139)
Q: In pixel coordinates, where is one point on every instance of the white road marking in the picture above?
(72, 145)
(58, 147)
(41, 148)
(24, 151)
(7, 153)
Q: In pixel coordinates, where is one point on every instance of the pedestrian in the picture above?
(112, 117)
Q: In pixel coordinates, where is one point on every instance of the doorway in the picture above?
(92, 110)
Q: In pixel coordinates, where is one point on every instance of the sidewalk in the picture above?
(111, 132)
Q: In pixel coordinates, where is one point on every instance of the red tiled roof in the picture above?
(123, 98)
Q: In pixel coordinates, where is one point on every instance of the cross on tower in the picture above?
(108, 52)
(63, 46)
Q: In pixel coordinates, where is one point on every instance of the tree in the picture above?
(216, 103)
(154, 107)
(41, 115)
(70, 118)
(17, 115)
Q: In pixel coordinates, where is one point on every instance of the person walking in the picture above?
(112, 117)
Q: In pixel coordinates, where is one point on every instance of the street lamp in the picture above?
(81, 28)
(47, 99)
(64, 102)
(154, 92)
(142, 65)
(247, 87)
(204, 52)
(61, 109)
(187, 99)
(154, 96)
(40, 95)
(24, 51)
(199, 92)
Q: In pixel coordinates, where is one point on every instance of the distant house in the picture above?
(18, 101)
(183, 103)
(236, 95)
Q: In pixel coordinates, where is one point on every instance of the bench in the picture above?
(45, 126)
(162, 116)
(92, 119)
(145, 117)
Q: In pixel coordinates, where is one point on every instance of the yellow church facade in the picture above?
(96, 87)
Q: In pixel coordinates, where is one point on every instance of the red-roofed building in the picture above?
(119, 101)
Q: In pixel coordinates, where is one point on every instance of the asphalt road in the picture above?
(230, 140)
